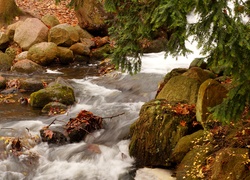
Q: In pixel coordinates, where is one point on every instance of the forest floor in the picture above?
(39, 8)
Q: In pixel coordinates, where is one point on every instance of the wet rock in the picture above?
(63, 35)
(65, 55)
(54, 108)
(11, 90)
(43, 53)
(30, 32)
(180, 88)
(56, 92)
(2, 82)
(52, 137)
(211, 93)
(80, 49)
(27, 66)
(85, 122)
(50, 20)
(31, 84)
(4, 41)
(159, 127)
(5, 62)
(83, 33)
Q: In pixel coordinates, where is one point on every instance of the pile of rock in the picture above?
(177, 130)
(27, 47)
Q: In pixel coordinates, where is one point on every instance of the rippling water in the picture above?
(104, 153)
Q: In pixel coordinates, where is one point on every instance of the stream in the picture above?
(104, 154)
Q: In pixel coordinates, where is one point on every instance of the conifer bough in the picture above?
(220, 32)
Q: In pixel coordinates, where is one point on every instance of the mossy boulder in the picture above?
(180, 88)
(27, 66)
(56, 92)
(50, 20)
(80, 49)
(191, 166)
(185, 144)
(229, 163)
(174, 72)
(5, 62)
(43, 53)
(82, 32)
(63, 35)
(55, 108)
(65, 55)
(199, 74)
(211, 93)
(157, 131)
(101, 52)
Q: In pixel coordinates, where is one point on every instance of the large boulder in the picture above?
(30, 32)
(27, 66)
(4, 40)
(65, 55)
(12, 28)
(205, 162)
(64, 35)
(160, 126)
(82, 33)
(199, 74)
(210, 94)
(50, 20)
(190, 167)
(229, 163)
(5, 62)
(59, 91)
(101, 52)
(43, 53)
(92, 16)
(180, 88)
(168, 76)
(80, 49)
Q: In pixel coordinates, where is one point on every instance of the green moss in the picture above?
(55, 93)
(156, 132)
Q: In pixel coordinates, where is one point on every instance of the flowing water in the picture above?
(104, 154)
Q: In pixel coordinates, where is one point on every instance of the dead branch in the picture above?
(111, 117)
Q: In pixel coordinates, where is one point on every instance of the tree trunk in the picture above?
(8, 10)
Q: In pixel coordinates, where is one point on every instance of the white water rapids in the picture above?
(104, 154)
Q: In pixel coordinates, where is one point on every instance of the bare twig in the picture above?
(111, 117)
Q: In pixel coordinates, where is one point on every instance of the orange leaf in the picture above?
(183, 123)
(48, 133)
